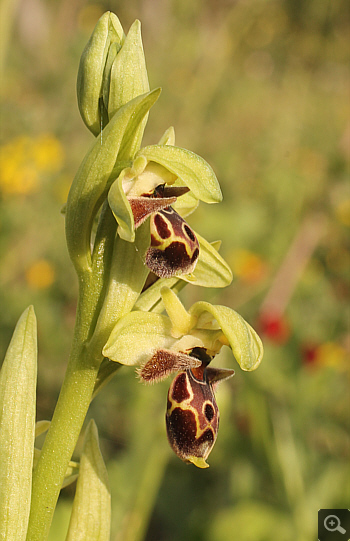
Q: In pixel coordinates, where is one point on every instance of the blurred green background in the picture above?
(260, 89)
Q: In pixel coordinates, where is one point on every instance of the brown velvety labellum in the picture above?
(171, 261)
(192, 417)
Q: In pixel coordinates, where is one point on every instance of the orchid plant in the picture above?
(133, 252)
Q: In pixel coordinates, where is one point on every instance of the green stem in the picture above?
(66, 424)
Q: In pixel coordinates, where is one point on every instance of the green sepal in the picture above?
(91, 512)
(211, 269)
(242, 338)
(194, 172)
(92, 180)
(107, 31)
(128, 73)
(105, 373)
(41, 427)
(121, 210)
(137, 336)
(17, 427)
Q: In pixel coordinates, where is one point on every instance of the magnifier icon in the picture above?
(332, 524)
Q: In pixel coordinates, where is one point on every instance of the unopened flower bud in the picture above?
(91, 74)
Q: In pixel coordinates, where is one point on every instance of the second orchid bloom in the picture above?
(185, 342)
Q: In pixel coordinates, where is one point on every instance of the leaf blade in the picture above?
(91, 512)
(17, 427)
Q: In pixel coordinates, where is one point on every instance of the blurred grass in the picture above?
(260, 90)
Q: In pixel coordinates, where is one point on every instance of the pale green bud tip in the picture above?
(125, 74)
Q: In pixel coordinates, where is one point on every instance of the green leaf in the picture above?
(136, 336)
(131, 140)
(90, 184)
(243, 340)
(195, 172)
(17, 427)
(91, 512)
(211, 269)
(107, 31)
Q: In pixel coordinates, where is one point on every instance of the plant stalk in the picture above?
(66, 424)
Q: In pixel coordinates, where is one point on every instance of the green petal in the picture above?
(244, 341)
(91, 68)
(17, 427)
(91, 512)
(151, 300)
(168, 137)
(195, 172)
(137, 336)
(181, 320)
(211, 269)
(186, 204)
(91, 181)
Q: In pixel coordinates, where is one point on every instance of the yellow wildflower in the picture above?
(40, 274)
(23, 159)
(48, 153)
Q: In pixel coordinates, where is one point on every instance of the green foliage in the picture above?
(91, 511)
(17, 424)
